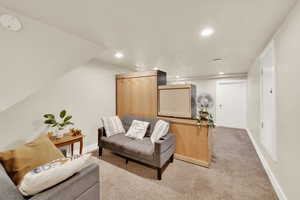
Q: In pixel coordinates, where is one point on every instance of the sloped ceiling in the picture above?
(35, 56)
(165, 33)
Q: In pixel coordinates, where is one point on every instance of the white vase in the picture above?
(59, 133)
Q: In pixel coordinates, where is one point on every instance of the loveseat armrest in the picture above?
(164, 143)
(72, 188)
(101, 133)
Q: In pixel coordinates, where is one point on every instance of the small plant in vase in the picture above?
(205, 118)
(59, 123)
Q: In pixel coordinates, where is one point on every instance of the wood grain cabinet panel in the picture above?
(137, 93)
(193, 143)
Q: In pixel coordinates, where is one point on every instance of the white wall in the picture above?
(87, 93)
(35, 56)
(287, 48)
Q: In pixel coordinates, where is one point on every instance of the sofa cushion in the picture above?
(19, 161)
(137, 129)
(8, 190)
(51, 174)
(113, 125)
(116, 141)
(161, 129)
(140, 148)
(127, 121)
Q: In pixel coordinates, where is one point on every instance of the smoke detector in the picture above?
(10, 22)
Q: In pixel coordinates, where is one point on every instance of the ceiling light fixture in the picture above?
(155, 68)
(119, 55)
(10, 22)
(177, 76)
(207, 32)
(221, 73)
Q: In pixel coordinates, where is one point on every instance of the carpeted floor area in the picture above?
(236, 174)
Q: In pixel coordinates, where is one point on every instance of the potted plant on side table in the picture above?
(58, 123)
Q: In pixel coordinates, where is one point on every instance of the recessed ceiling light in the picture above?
(207, 32)
(221, 73)
(119, 55)
(155, 68)
(177, 76)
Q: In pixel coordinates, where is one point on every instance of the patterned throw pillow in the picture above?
(112, 125)
(161, 129)
(137, 129)
(52, 173)
(17, 162)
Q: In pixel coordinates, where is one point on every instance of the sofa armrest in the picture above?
(101, 133)
(73, 187)
(164, 143)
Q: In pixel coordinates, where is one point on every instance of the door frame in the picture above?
(231, 81)
(269, 47)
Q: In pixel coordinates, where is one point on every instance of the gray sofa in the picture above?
(82, 186)
(156, 155)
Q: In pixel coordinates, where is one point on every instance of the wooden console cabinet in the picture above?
(193, 143)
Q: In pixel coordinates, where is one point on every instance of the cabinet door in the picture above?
(137, 96)
(123, 97)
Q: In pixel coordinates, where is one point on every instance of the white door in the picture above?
(231, 107)
(268, 109)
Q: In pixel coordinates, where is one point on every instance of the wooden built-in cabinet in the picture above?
(193, 143)
(137, 93)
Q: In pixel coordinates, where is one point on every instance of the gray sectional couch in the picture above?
(156, 155)
(82, 186)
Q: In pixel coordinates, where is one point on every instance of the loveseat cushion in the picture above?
(127, 121)
(116, 141)
(143, 149)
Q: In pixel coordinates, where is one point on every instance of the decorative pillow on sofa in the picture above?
(112, 125)
(161, 129)
(51, 174)
(25, 158)
(137, 129)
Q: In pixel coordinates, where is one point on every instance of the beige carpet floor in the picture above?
(236, 174)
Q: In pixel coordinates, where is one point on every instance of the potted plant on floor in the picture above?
(58, 123)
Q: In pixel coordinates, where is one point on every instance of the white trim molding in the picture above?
(86, 149)
(278, 189)
(208, 77)
(90, 148)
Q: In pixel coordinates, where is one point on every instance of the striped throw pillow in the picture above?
(161, 129)
(112, 125)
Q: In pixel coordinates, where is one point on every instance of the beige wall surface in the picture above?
(87, 93)
(34, 56)
(287, 49)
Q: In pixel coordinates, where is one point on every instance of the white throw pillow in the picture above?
(112, 125)
(51, 174)
(137, 129)
(161, 129)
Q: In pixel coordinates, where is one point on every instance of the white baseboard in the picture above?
(86, 149)
(274, 181)
(90, 148)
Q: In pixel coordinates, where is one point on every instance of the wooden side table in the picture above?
(67, 140)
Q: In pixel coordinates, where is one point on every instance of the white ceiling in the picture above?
(165, 33)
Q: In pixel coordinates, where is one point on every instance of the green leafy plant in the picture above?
(64, 120)
(205, 118)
